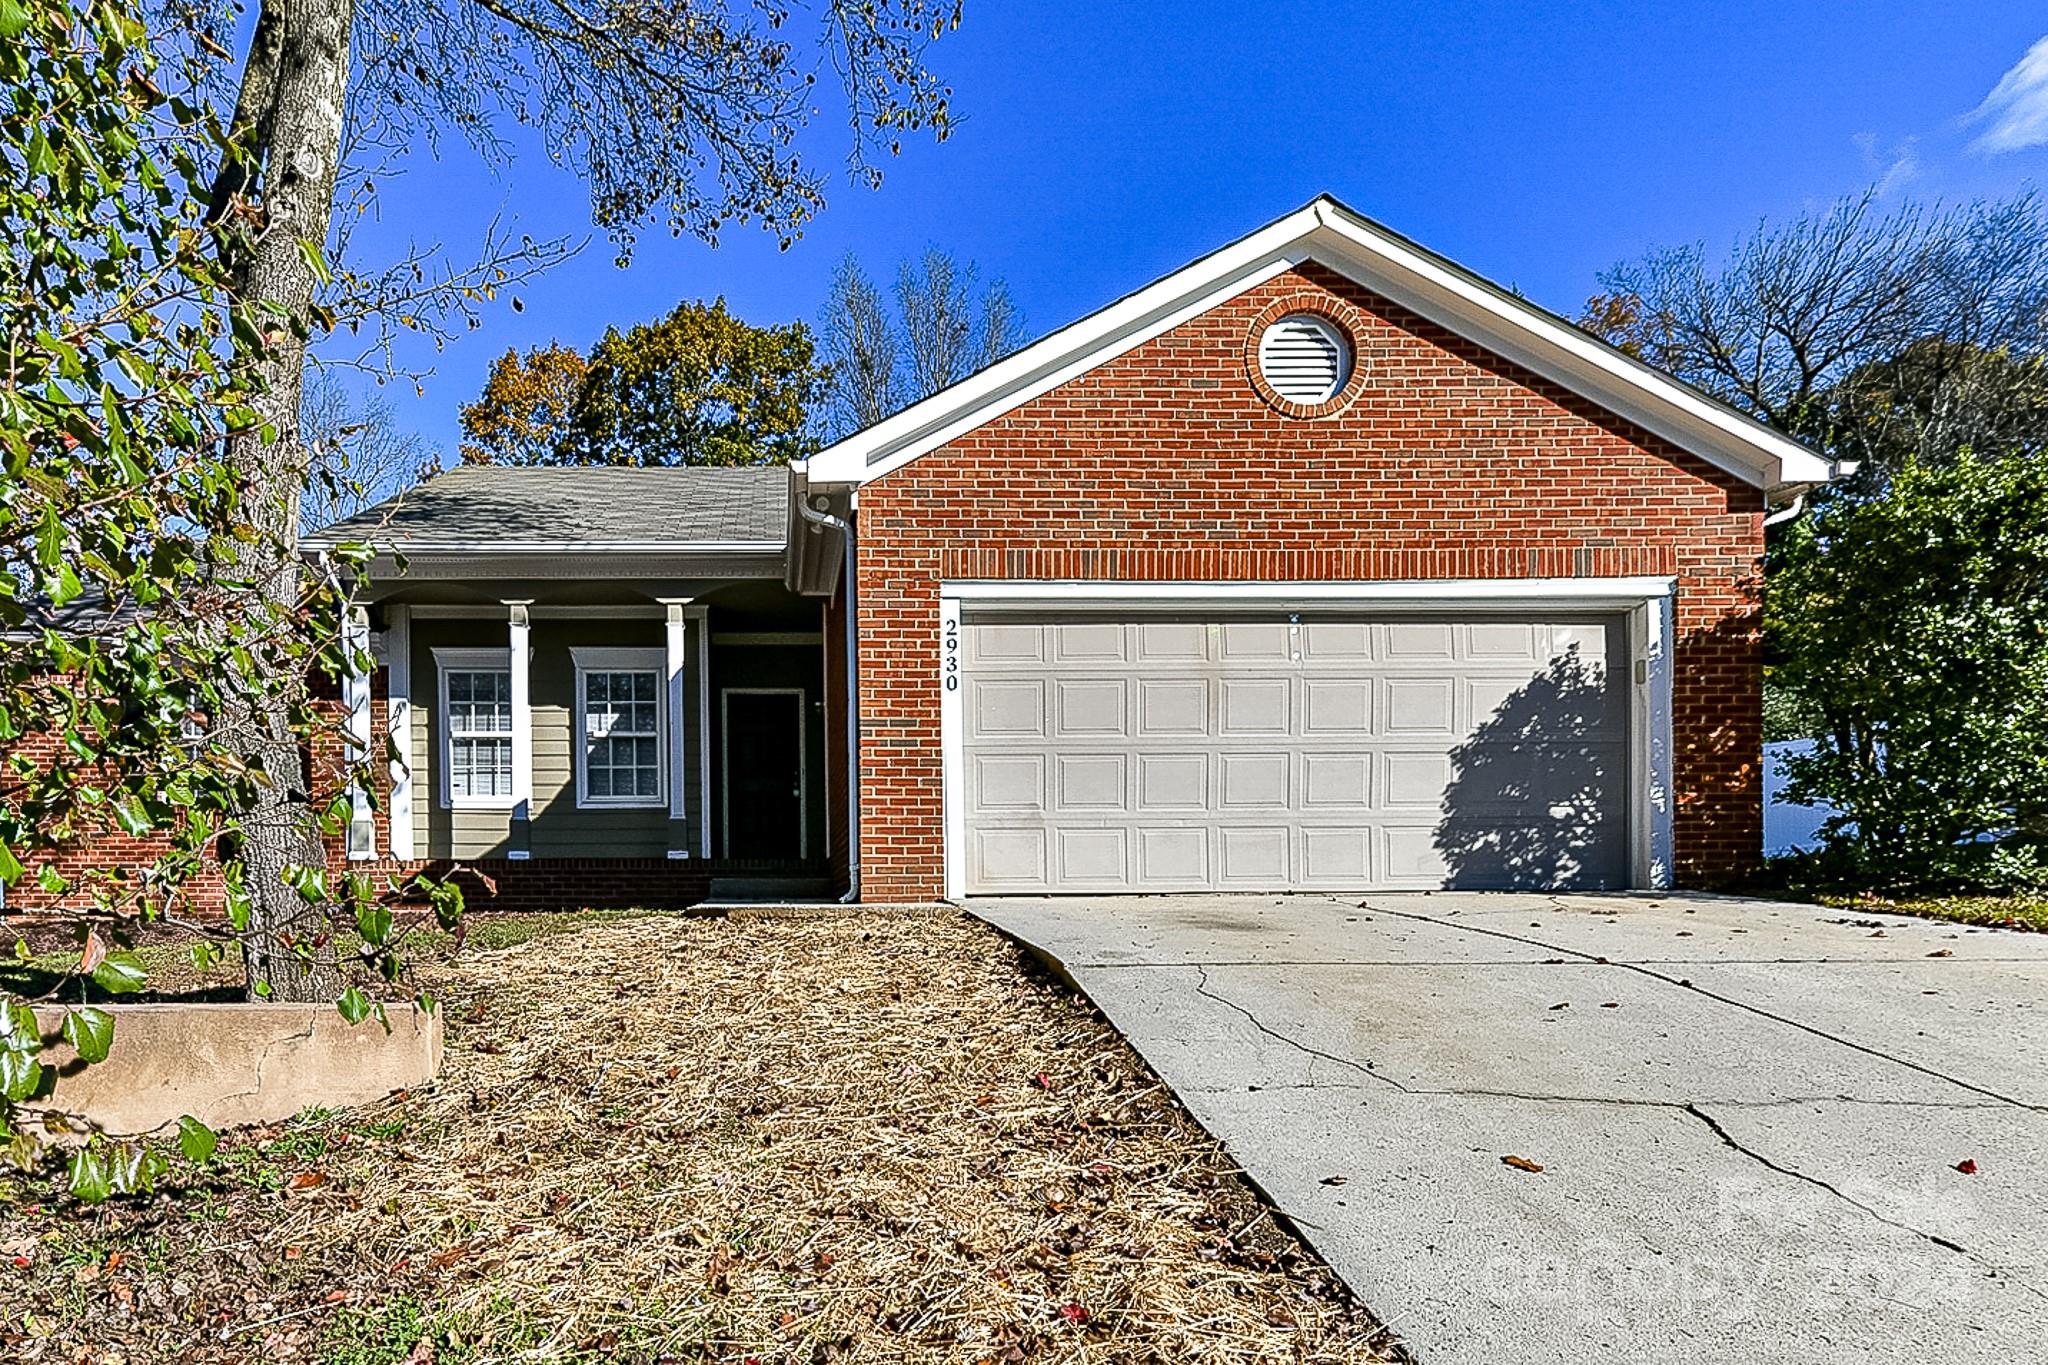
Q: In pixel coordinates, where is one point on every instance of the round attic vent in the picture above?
(1306, 359)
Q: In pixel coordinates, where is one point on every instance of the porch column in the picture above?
(518, 637)
(355, 693)
(398, 716)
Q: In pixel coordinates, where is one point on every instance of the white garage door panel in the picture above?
(1336, 754)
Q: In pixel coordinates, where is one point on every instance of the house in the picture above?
(1319, 563)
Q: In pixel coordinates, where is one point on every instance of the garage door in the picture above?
(1272, 753)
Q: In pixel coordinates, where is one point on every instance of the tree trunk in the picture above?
(290, 118)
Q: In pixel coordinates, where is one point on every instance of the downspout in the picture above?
(820, 518)
(1840, 469)
(1788, 511)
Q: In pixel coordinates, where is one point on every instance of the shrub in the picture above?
(1912, 627)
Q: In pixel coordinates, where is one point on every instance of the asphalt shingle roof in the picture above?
(511, 506)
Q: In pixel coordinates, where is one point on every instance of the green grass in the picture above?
(2023, 911)
(387, 1333)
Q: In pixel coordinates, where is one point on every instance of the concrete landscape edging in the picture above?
(230, 1065)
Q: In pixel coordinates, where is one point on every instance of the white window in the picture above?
(621, 727)
(476, 727)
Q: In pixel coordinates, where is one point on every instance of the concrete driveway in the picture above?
(1748, 1115)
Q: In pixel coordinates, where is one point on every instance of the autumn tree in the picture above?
(527, 412)
(697, 387)
(686, 116)
(946, 325)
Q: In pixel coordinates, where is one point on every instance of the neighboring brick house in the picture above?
(1317, 564)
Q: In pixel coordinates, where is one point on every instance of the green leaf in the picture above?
(310, 253)
(373, 922)
(120, 974)
(132, 818)
(13, 19)
(20, 1075)
(130, 1169)
(10, 866)
(240, 906)
(90, 1031)
(67, 588)
(196, 1140)
(18, 1027)
(89, 1179)
(354, 1005)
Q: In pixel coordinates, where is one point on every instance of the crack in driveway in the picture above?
(1933, 1238)
(1730, 1001)
(1690, 1108)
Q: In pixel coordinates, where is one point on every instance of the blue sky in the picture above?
(1105, 144)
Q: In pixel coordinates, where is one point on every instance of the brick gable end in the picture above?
(1168, 464)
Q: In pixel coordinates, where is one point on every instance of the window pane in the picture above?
(622, 725)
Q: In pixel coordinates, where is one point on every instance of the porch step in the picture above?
(778, 890)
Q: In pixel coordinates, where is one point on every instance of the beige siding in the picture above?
(560, 829)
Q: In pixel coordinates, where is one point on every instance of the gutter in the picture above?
(467, 548)
(1838, 469)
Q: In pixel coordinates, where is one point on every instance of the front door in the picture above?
(764, 773)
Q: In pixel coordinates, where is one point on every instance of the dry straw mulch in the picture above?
(855, 1138)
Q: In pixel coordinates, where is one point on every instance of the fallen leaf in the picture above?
(1522, 1163)
(1943, 952)
(1611, 1005)
(718, 1273)
(1042, 1081)
(308, 1180)
(1967, 1166)
(1336, 1179)
(1074, 1313)
(1562, 1005)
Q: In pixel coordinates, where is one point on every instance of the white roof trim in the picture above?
(1382, 261)
(467, 548)
(1584, 594)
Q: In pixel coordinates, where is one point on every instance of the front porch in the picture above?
(597, 722)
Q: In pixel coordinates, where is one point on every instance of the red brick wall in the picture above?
(1166, 464)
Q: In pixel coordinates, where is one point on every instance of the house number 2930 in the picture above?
(949, 666)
